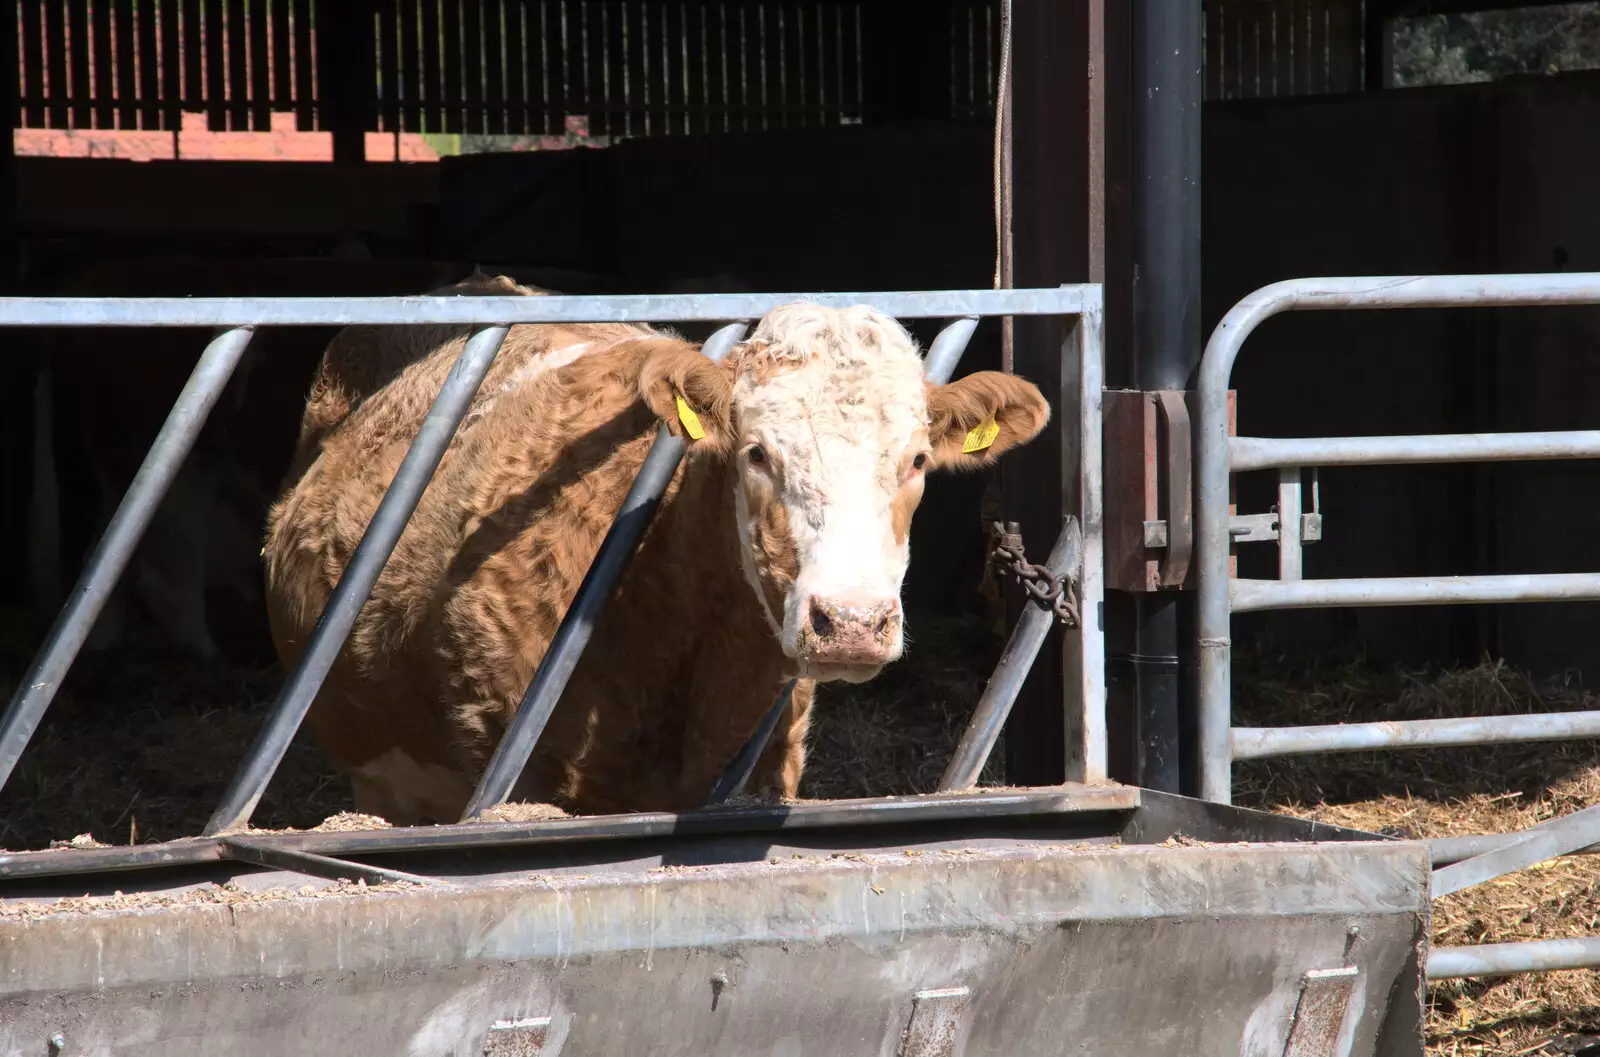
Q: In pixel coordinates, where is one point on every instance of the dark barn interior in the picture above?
(385, 147)
(596, 146)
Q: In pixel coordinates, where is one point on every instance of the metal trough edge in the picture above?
(1067, 799)
(96, 945)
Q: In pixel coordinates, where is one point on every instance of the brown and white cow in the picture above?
(778, 551)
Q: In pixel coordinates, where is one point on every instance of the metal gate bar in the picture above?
(356, 582)
(1561, 836)
(577, 624)
(1262, 453)
(512, 309)
(1507, 959)
(1000, 693)
(1253, 595)
(731, 781)
(117, 544)
(1256, 743)
(1219, 456)
(1442, 851)
(1220, 597)
(1078, 404)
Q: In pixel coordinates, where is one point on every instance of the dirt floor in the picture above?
(139, 747)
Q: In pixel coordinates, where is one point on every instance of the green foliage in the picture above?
(1486, 45)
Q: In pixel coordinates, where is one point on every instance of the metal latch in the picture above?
(1255, 528)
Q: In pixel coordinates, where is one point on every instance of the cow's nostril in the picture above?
(821, 623)
(884, 624)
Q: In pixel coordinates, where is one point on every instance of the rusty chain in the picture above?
(1055, 593)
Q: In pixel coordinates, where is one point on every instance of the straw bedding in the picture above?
(139, 745)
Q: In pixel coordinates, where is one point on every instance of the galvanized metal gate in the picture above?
(1076, 556)
(1464, 861)
(517, 941)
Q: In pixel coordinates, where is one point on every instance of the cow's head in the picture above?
(830, 430)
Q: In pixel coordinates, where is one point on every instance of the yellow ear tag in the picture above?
(690, 420)
(980, 438)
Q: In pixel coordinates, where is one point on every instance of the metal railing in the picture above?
(1218, 456)
(491, 317)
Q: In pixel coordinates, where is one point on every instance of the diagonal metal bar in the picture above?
(371, 554)
(944, 355)
(577, 626)
(731, 782)
(1033, 627)
(1562, 836)
(313, 865)
(1446, 850)
(111, 555)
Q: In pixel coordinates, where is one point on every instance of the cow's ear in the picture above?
(688, 392)
(975, 419)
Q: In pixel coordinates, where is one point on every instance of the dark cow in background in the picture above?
(779, 550)
(101, 395)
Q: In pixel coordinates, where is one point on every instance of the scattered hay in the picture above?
(894, 735)
(82, 840)
(753, 800)
(349, 821)
(139, 747)
(1428, 793)
(229, 894)
(523, 813)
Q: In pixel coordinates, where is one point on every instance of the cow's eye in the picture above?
(920, 462)
(756, 456)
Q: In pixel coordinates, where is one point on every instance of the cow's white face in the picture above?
(830, 430)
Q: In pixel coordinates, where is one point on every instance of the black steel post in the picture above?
(348, 65)
(1166, 82)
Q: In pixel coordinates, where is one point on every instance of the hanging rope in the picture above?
(1002, 104)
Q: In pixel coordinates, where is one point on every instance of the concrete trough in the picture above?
(1097, 920)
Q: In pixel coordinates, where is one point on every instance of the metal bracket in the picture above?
(312, 865)
(525, 1037)
(1149, 453)
(935, 1023)
(1179, 466)
(1319, 1014)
